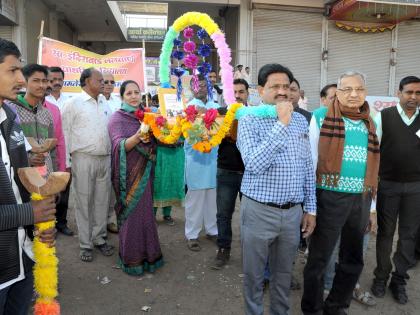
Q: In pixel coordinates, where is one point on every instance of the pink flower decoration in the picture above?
(191, 61)
(210, 117)
(191, 113)
(188, 32)
(189, 47)
(160, 121)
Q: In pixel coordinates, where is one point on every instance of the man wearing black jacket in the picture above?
(230, 170)
(17, 212)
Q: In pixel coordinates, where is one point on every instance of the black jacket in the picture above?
(12, 215)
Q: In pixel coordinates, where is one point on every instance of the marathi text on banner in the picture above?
(124, 64)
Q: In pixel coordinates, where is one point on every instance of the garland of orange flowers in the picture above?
(175, 130)
(182, 126)
(206, 146)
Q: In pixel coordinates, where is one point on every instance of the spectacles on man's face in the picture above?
(349, 90)
(109, 82)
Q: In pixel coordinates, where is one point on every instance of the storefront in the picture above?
(381, 40)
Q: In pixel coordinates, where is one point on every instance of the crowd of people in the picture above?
(318, 179)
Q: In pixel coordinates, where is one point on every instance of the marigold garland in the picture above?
(175, 130)
(183, 126)
(45, 271)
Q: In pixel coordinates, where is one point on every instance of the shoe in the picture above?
(335, 311)
(65, 230)
(212, 238)
(193, 245)
(398, 292)
(266, 284)
(105, 249)
(168, 220)
(223, 255)
(378, 288)
(294, 284)
(112, 228)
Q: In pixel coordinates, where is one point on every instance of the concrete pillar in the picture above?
(244, 47)
(19, 31)
(53, 19)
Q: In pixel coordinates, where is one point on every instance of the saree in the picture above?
(132, 180)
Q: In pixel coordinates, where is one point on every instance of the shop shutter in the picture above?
(292, 39)
(6, 32)
(365, 52)
(408, 51)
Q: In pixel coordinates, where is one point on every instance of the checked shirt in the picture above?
(278, 163)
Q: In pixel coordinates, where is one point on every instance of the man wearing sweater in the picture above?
(399, 189)
(17, 212)
(345, 153)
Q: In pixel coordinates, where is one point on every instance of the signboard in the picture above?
(169, 106)
(378, 103)
(149, 34)
(152, 69)
(124, 64)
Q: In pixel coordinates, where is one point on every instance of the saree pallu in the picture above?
(169, 186)
(132, 179)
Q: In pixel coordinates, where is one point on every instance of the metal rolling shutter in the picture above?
(6, 32)
(292, 39)
(365, 52)
(408, 51)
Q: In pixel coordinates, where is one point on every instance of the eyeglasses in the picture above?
(350, 90)
(109, 82)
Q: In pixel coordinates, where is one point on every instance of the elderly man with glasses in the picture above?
(114, 101)
(345, 152)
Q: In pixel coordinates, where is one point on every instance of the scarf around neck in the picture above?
(331, 146)
(128, 108)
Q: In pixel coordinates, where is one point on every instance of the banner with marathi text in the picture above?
(124, 64)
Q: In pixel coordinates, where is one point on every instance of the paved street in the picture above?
(185, 285)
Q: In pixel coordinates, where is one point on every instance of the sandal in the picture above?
(364, 298)
(168, 220)
(86, 255)
(105, 249)
(193, 245)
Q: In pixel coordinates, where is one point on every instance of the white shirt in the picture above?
(24, 242)
(114, 102)
(85, 125)
(58, 102)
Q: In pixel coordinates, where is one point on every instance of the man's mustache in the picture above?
(57, 85)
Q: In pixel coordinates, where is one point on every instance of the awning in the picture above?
(373, 16)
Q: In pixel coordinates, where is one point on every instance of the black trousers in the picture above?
(397, 202)
(338, 213)
(16, 299)
(62, 206)
(228, 188)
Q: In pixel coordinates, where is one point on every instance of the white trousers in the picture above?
(91, 176)
(200, 207)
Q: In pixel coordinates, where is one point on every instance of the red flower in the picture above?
(139, 114)
(191, 112)
(210, 117)
(160, 121)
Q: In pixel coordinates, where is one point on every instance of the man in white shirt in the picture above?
(85, 126)
(114, 103)
(17, 212)
(56, 78)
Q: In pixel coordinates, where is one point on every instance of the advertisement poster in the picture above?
(124, 64)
